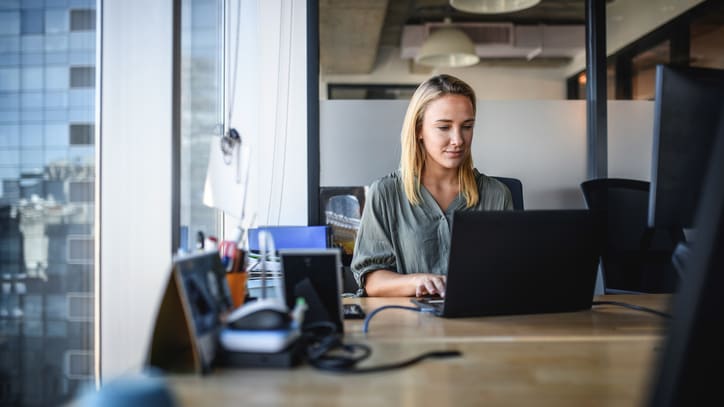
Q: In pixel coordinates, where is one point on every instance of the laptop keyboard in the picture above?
(429, 303)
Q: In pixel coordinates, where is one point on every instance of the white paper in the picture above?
(225, 186)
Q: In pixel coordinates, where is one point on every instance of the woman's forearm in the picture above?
(386, 283)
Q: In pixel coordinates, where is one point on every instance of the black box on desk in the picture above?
(288, 358)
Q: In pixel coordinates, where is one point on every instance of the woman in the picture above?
(403, 242)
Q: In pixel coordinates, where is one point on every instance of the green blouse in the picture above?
(398, 236)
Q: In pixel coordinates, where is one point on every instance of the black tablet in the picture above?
(315, 275)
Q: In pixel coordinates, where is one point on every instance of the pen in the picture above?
(199, 240)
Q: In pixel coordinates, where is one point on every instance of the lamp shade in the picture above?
(447, 47)
(492, 6)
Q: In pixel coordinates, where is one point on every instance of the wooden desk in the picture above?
(600, 357)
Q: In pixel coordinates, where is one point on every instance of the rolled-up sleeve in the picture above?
(373, 248)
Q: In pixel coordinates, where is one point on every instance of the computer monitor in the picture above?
(687, 369)
(686, 114)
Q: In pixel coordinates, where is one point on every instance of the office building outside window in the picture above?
(47, 199)
(201, 112)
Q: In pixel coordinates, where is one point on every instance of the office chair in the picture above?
(341, 208)
(516, 190)
(635, 258)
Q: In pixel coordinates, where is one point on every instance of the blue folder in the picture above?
(293, 237)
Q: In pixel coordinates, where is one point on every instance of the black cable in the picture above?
(326, 351)
(373, 313)
(634, 307)
(387, 367)
(332, 354)
(311, 329)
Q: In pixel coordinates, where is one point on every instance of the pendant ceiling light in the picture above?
(447, 47)
(492, 6)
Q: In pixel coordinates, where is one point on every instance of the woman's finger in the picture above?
(430, 286)
(439, 285)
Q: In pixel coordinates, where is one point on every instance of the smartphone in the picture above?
(353, 311)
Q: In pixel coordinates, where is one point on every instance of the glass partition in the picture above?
(643, 75)
(707, 41)
(542, 143)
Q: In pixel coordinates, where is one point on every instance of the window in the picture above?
(80, 191)
(376, 91)
(81, 134)
(78, 363)
(9, 22)
(644, 70)
(80, 306)
(201, 111)
(577, 84)
(32, 22)
(56, 21)
(695, 38)
(82, 77)
(47, 198)
(82, 20)
(56, 77)
(32, 78)
(707, 41)
(9, 79)
(80, 249)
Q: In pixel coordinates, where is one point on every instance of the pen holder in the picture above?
(237, 287)
(236, 277)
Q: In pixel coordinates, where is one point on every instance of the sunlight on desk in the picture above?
(600, 357)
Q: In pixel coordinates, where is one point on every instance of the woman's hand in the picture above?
(429, 284)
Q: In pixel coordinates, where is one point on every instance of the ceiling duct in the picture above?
(479, 33)
(505, 40)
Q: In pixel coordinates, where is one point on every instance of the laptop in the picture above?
(519, 262)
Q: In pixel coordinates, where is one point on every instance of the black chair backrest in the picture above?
(635, 258)
(516, 190)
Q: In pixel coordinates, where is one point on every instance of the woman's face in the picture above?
(447, 131)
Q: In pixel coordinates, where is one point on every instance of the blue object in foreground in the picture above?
(137, 391)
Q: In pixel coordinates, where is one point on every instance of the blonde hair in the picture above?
(412, 159)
